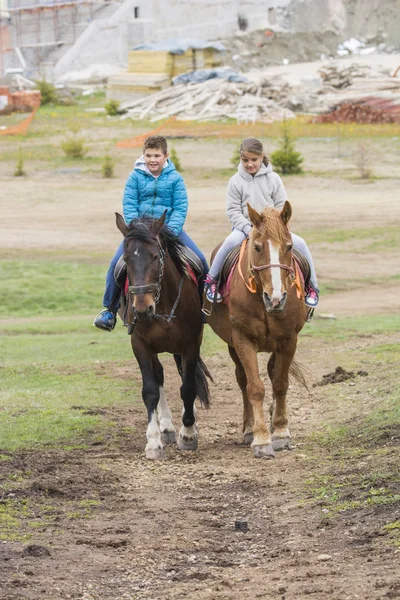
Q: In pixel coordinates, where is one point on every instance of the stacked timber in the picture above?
(211, 100)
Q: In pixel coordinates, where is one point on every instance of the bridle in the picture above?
(155, 289)
(251, 284)
(152, 288)
(272, 265)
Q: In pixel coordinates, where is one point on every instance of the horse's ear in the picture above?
(122, 226)
(159, 223)
(254, 217)
(286, 212)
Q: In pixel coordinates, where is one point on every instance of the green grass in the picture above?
(378, 238)
(50, 288)
(349, 327)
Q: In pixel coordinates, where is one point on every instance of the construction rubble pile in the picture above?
(211, 100)
(359, 95)
(356, 113)
(338, 93)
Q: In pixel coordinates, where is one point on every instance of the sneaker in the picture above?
(211, 290)
(312, 297)
(105, 320)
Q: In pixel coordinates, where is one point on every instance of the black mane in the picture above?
(142, 230)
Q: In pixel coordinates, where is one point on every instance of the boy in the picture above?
(153, 187)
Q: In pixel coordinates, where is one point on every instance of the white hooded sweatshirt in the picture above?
(262, 190)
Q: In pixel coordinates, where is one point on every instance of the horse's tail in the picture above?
(201, 374)
(299, 372)
(202, 389)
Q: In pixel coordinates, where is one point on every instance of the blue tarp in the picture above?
(203, 75)
(180, 45)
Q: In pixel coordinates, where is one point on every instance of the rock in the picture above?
(324, 557)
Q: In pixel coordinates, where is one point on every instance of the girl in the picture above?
(254, 183)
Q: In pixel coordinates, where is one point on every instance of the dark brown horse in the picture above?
(163, 311)
(264, 313)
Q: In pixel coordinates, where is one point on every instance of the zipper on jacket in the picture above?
(154, 197)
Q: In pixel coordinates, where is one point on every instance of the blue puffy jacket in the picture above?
(146, 195)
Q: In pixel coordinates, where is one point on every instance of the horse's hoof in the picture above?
(281, 444)
(187, 444)
(168, 437)
(155, 454)
(264, 451)
(248, 438)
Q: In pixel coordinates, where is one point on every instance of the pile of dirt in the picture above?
(338, 376)
(355, 112)
(258, 49)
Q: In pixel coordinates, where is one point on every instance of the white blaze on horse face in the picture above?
(275, 272)
(136, 253)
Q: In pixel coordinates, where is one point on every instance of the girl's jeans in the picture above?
(112, 292)
(236, 237)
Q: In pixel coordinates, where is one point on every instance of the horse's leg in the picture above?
(167, 428)
(271, 370)
(248, 417)
(150, 394)
(280, 384)
(246, 351)
(188, 436)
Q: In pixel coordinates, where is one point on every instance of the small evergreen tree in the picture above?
(19, 167)
(287, 160)
(175, 159)
(107, 167)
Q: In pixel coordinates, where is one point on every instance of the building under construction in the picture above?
(48, 38)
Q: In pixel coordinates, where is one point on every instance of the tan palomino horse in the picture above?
(264, 313)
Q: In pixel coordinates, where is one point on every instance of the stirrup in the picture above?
(205, 311)
(310, 315)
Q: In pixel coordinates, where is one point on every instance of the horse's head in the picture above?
(270, 256)
(144, 258)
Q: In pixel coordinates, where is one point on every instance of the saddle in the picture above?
(191, 263)
(232, 260)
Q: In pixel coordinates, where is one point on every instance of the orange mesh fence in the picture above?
(20, 128)
(138, 141)
(174, 128)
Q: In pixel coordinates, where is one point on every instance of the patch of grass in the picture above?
(29, 288)
(379, 238)
(349, 327)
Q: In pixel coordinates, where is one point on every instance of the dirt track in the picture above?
(166, 530)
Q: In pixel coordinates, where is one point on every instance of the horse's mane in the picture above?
(276, 230)
(142, 230)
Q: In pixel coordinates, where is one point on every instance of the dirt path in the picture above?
(165, 530)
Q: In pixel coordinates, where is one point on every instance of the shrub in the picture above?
(48, 92)
(19, 167)
(287, 160)
(107, 167)
(175, 159)
(112, 108)
(73, 147)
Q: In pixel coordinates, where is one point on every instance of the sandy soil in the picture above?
(166, 530)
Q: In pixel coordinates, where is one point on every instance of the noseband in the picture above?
(271, 265)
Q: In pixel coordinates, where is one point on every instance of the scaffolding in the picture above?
(30, 32)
